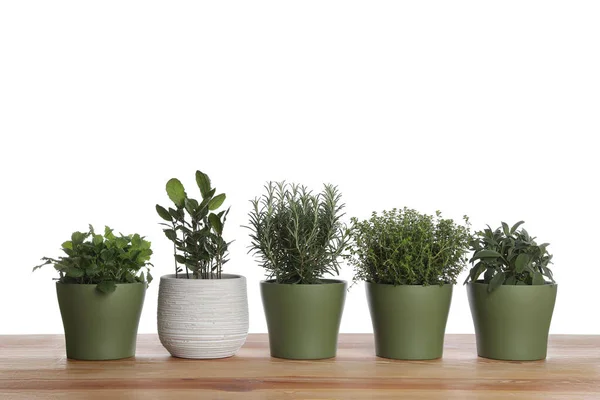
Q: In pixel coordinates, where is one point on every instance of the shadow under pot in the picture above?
(409, 321)
(512, 322)
(202, 318)
(100, 326)
(303, 319)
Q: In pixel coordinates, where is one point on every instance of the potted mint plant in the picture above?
(299, 238)
(101, 290)
(409, 262)
(512, 305)
(202, 312)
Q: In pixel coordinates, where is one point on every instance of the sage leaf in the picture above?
(505, 228)
(515, 226)
(538, 278)
(521, 262)
(486, 254)
(496, 281)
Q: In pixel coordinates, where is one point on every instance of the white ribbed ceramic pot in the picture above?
(202, 318)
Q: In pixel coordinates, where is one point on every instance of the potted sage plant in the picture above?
(299, 239)
(101, 288)
(409, 262)
(202, 312)
(512, 305)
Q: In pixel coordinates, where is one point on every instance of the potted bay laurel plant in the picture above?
(512, 305)
(409, 262)
(299, 239)
(202, 312)
(101, 288)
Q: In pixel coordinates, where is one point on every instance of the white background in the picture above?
(490, 109)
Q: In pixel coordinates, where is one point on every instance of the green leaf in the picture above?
(108, 233)
(91, 270)
(176, 192)
(98, 240)
(216, 201)
(121, 242)
(215, 223)
(106, 286)
(511, 280)
(191, 205)
(542, 247)
(75, 272)
(515, 226)
(538, 278)
(170, 233)
(180, 259)
(163, 213)
(203, 182)
(78, 238)
(505, 229)
(496, 281)
(67, 245)
(486, 254)
(521, 262)
(145, 244)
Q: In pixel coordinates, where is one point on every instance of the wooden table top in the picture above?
(35, 367)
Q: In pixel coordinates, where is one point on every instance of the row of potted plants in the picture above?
(410, 262)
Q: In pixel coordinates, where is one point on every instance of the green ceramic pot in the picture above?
(409, 321)
(303, 320)
(512, 322)
(100, 326)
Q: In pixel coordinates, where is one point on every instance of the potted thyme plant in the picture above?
(299, 238)
(202, 312)
(101, 289)
(409, 262)
(512, 305)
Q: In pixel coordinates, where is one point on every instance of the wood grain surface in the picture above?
(35, 367)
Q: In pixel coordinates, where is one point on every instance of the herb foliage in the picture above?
(298, 236)
(405, 247)
(195, 230)
(103, 260)
(509, 256)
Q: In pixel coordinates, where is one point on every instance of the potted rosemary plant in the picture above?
(299, 239)
(512, 305)
(101, 292)
(202, 312)
(410, 262)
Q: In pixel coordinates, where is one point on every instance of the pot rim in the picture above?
(224, 277)
(95, 284)
(328, 282)
(423, 286)
(480, 282)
